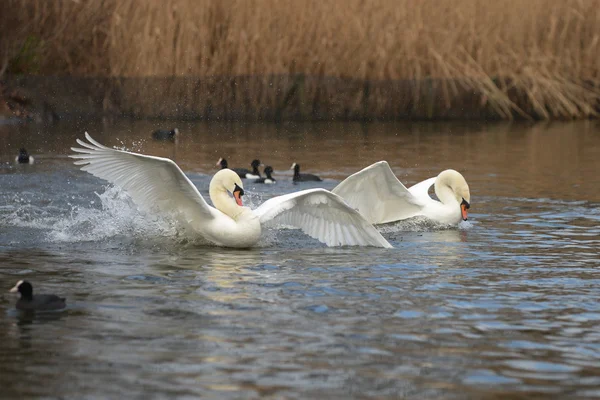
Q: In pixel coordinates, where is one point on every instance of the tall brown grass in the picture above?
(516, 57)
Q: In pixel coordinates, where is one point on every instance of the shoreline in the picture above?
(266, 98)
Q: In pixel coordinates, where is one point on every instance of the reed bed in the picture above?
(527, 58)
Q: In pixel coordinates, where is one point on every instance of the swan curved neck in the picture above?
(224, 203)
(444, 192)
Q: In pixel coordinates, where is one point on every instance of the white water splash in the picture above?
(112, 214)
(118, 215)
(420, 224)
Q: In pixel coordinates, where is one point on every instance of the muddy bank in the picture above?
(266, 98)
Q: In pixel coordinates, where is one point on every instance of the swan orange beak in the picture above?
(238, 198)
(464, 206)
(238, 192)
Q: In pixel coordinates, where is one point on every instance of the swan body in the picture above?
(381, 198)
(158, 184)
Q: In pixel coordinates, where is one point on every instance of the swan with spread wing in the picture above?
(381, 198)
(158, 184)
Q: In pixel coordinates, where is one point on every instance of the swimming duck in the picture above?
(158, 185)
(39, 302)
(24, 157)
(164, 135)
(268, 179)
(381, 198)
(243, 172)
(298, 177)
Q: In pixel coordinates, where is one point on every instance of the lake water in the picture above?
(506, 305)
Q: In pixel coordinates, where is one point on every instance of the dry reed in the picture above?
(514, 57)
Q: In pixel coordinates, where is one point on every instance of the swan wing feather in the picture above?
(421, 190)
(323, 216)
(378, 195)
(153, 183)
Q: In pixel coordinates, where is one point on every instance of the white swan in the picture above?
(381, 198)
(159, 184)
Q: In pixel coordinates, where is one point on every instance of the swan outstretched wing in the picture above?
(323, 216)
(152, 182)
(378, 195)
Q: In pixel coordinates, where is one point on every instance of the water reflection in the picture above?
(505, 306)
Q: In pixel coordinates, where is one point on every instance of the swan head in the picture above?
(227, 180)
(295, 167)
(458, 186)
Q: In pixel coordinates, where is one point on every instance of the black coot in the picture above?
(23, 157)
(40, 302)
(268, 179)
(243, 173)
(165, 135)
(298, 177)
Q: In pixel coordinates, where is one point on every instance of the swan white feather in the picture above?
(381, 198)
(151, 182)
(158, 184)
(321, 215)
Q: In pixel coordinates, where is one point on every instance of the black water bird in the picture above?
(165, 135)
(298, 177)
(23, 157)
(268, 179)
(40, 302)
(243, 172)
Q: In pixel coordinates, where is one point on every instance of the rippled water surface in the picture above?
(507, 305)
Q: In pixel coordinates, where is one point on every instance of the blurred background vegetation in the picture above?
(511, 58)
